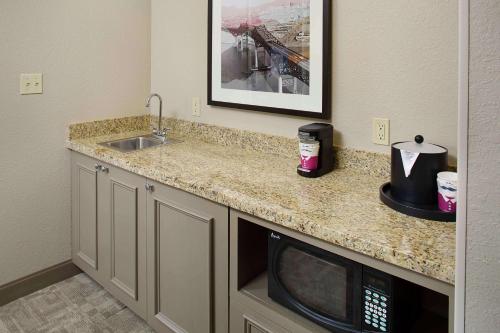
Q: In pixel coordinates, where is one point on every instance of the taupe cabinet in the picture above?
(84, 216)
(121, 219)
(161, 251)
(109, 229)
(253, 311)
(187, 262)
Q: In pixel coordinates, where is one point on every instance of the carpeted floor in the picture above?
(75, 305)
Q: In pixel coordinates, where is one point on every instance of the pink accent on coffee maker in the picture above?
(309, 162)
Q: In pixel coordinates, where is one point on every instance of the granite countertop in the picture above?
(342, 207)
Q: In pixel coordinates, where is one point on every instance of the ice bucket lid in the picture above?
(418, 146)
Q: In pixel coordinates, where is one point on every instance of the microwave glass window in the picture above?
(316, 283)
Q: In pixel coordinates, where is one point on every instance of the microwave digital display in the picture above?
(376, 283)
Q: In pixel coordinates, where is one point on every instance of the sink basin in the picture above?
(136, 143)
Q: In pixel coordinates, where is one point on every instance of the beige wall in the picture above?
(394, 59)
(95, 56)
(483, 219)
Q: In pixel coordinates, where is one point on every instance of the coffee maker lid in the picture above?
(316, 127)
(418, 146)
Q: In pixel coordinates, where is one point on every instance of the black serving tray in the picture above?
(428, 212)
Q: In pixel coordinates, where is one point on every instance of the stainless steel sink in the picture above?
(136, 143)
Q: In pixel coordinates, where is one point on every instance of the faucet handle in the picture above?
(163, 132)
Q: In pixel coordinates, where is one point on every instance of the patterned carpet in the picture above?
(75, 305)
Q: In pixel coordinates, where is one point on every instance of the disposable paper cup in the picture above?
(447, 191)
(309, 152)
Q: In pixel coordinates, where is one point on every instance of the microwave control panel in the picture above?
(376, 314)
(376, 302)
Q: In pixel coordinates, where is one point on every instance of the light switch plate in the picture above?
(31, 84)
(380, 131)
(196, 107)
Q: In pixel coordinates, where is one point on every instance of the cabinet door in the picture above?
(187, 263)
(244, 320)
(85, 252)
(122, 212)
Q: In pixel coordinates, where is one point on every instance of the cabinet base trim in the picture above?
(170, 324)
(87, 260)
(249, 323)
(124, 288)
(36, 281)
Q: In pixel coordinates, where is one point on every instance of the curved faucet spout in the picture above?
(159, 131)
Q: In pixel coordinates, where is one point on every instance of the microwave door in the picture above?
(319, 285)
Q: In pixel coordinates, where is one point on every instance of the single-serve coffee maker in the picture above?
(316, 150)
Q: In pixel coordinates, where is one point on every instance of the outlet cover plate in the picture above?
(31, 84)
(380, 132)
(196, 107)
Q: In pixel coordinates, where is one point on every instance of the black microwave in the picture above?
(337, 293)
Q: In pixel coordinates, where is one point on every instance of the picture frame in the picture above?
(277, 59)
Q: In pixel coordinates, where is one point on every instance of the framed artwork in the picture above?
(271, 56)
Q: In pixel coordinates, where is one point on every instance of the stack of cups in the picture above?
(309, 152)
(447, 191)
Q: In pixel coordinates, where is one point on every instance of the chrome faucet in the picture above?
(159, 132)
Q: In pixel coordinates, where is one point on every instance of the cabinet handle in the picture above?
(99, 167)
(150, 188)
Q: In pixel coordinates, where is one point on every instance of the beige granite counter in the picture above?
(342, 207)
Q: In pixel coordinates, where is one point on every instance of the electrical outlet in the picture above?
(380, 131)
(31, 84)
(196, 107)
